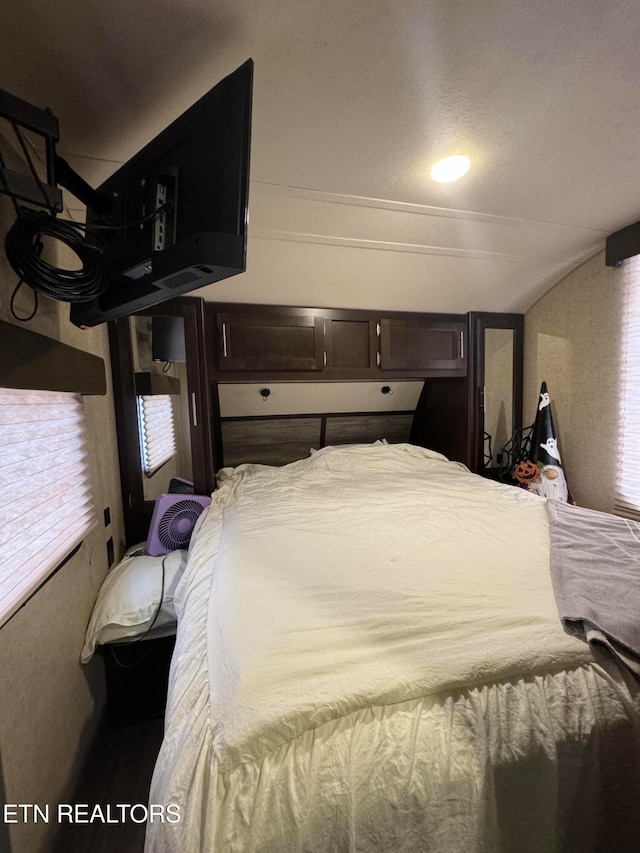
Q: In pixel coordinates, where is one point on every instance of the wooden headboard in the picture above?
(285, 424)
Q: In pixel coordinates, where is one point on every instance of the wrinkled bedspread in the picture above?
(595, 570)
(369, 658)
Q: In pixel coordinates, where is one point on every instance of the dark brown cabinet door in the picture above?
(265, 341)
(351, 345)
(424, 343)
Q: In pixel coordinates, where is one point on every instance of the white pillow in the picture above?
(375, 443)
(129, 597)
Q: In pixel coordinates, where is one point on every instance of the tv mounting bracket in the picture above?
(23, 187)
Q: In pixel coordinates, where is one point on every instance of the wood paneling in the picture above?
(280, 440)
(269, 441)
(363, 429)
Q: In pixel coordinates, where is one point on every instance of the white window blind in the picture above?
(628, 479)
(46, 506)
(157, 431)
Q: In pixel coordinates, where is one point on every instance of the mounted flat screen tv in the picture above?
(195, 177)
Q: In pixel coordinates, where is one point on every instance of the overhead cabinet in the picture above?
(270, 341)
(425, 342)
(248, 342)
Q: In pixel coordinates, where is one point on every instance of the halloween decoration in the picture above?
(514, 451)
(544, 444)
(526, 472)
(548, 479)
(553, 484)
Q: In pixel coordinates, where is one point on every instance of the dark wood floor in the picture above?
(118, 770)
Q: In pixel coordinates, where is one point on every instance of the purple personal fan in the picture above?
(172, 522)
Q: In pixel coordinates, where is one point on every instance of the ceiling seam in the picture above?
(411, 248)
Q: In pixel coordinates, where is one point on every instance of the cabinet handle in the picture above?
(224, 340)
(194, 410)
(324, 359)
(461, 344)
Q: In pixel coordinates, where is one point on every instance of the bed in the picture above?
(369, 658)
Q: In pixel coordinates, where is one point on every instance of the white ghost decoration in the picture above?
(551, 446)
(553, 484)
(544, 401)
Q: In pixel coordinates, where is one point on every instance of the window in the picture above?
(157, 431)
(46, 507)
(628, 479)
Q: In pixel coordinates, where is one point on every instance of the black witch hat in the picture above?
(544, 443)
(545, 453)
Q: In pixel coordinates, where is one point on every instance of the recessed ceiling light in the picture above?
(450, 168)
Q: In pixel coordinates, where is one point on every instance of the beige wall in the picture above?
(572, 341)
(49, 704)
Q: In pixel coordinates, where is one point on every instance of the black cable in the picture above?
(121, 227)
(22, 247)
(81, 285)
(12, 306)
(166, 366)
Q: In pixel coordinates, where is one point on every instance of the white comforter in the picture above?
(369, 657)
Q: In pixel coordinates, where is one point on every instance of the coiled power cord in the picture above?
(23, 246)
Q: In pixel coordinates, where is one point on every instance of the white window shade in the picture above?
(157, 431)
(46, 506)
(628, 479)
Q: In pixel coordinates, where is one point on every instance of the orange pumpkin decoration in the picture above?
(526, 472)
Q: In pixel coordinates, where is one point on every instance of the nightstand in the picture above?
(137, 676)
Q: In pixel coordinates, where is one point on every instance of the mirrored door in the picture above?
(498, 387)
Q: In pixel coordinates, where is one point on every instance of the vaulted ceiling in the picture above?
(353, 101)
